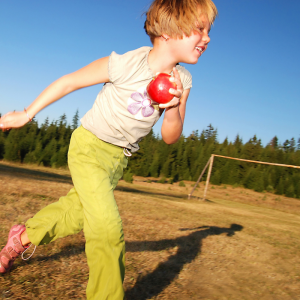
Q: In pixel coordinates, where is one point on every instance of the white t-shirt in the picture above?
(122, 113)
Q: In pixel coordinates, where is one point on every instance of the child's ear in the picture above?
(165, 37)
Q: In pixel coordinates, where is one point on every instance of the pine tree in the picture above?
(12, 151)
(154, 168)
(292, 145)
(259, 182)
(290, 191)
(225, 143)
(2, 143)
(45, 125)
(34, 156)
(75, 120)
(280, 188)
(165, 170)
(238, 144)
(216, 177)
(48, 145)
(210, 133)
(61, 158)
(274, 142)
(49, 151)
(128, 176)
(286, 145)
(296, 180)
(250, 178)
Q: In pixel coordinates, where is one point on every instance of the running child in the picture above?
(120, 117)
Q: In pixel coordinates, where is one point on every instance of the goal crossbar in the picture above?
(211, 161)
(258, 162)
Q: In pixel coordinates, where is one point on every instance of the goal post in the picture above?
(211, 161)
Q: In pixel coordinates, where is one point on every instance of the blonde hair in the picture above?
(177, 17)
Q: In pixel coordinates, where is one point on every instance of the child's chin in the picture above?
(193, 61)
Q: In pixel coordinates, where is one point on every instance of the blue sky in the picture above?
(246, 83)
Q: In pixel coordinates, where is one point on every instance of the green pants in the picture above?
(95, 167)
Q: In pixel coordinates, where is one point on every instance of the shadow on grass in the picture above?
(189, 247)
(13, 171)
(152, 284)
(161, 195)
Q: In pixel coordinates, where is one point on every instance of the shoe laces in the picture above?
(30, 254)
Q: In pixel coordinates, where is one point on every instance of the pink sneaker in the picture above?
(13, 248)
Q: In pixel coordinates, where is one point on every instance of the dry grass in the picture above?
(236, 245)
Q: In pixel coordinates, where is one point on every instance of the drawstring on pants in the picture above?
(127, 152)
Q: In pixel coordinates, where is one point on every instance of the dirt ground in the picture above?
(237, 244)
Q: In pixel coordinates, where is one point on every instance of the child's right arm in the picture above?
(94, 73)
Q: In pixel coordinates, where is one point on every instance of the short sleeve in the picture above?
(185, 76)
(113, 64)
(122, 67)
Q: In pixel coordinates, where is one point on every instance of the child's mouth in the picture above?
(200, 49)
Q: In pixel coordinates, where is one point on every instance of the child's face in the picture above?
(189, 49)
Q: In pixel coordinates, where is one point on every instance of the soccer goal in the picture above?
(210, 164)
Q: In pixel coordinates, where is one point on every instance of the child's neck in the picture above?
(160, 60)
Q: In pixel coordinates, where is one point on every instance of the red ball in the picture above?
(158, 88)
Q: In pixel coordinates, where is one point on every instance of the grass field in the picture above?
(238, 244)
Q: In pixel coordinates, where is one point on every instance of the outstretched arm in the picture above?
(94, 73)
(175, 112)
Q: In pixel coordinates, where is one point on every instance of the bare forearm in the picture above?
(172, 125)
(173, 120)
(94, 73)
(52, 93)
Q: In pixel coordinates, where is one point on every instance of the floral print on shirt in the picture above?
(142, 102)
(140, 105)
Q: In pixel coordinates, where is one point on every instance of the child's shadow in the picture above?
(189, 247)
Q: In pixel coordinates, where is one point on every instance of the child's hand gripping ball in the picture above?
(158, 88)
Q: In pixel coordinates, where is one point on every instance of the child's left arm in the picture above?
(175, 112)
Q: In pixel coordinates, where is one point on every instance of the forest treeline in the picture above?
(48, 143)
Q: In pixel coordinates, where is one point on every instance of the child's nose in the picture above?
(206, 38)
